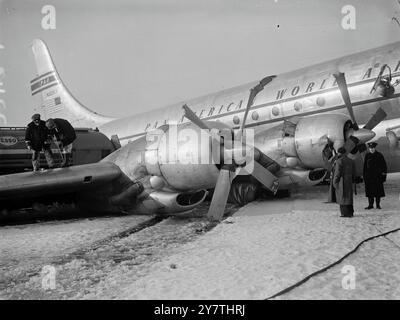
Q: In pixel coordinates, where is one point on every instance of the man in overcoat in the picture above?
(374, 176)
(65, 134)
(332, 192)
(36, 139)
(343, 182)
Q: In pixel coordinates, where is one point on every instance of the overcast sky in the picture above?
(126, 56)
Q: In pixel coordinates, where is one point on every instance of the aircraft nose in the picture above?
(364, 135)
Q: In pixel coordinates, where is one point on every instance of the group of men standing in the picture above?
(39, 135)
(374, 175)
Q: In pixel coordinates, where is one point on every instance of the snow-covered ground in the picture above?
(89, 255)
(260, 250)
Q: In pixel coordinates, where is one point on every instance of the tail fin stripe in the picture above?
(43, 82)
(44, 88)
(41, 76)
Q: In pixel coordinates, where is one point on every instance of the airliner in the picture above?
(299, 119)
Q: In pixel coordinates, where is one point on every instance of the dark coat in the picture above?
(332, 192)
(36, 136)
(374, 174)
(343, 180)
(64, 131)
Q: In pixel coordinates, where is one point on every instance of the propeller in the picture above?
(341, 81)
(253, 93)
(375, 119)
(382, 80)
(358, 136)
(194, 118)
(229, 171)
(221, 192)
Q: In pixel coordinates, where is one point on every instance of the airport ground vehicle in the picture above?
(90, 146)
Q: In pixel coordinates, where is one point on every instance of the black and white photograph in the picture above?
(218, 151)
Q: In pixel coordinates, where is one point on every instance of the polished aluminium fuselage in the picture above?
(304, 92)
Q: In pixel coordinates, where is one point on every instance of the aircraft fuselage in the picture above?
(304, 92)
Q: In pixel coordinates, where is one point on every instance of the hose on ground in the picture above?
(297, 284)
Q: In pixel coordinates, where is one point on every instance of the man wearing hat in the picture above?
(36, 139)
(65, 134)
(374, 175)
(343, 182)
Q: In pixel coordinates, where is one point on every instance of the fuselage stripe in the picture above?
(306, 95)
(359, 103)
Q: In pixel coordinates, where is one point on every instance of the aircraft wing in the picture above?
(57, 181)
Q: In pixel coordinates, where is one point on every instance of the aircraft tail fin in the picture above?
(52, 98)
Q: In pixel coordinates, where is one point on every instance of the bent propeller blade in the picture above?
(263, 175)
(378, 117)
(194, 118)
(253, 93)
(342, 84)
(220, 196)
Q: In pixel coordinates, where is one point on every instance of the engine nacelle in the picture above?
(182, 156)
(170, 202)
(312, 135)
(288, 177)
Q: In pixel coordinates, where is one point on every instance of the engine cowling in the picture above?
(311, 137)
(182, 156)
(170, 202)
(314, 133)
(288, 177)
(305, 142)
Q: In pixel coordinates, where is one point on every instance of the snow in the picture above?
(263, 248)
(268, 246)
(35, 242)
(26, 249)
